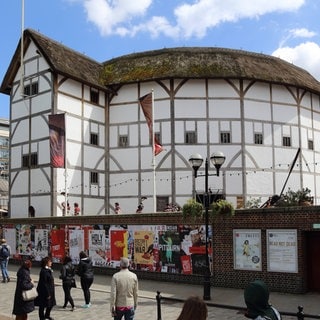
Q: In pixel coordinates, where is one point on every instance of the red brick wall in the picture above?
(224, 274)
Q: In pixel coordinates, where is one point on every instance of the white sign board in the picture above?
(282, 250)
(247, 249)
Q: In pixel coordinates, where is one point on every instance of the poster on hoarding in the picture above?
(143, 247)
(76, 244)
(24, 240)
(118, 244)
(97, 247)
(247, 249)
(282, 250)
(41, 247)
(57, 244)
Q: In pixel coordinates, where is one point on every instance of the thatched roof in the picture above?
(212, 63)
(62, 60)
(183, 63)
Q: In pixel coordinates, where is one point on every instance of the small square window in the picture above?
(30, 160)
(225, 137)
(33, 159)
(123, 141)
(94, 177)
(94, 139)
(94, 96)
(258, 138)
(286, 141)
(190, 137)
(31, 89)
(310, 144)
(25, 161)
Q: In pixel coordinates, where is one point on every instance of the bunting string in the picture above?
(228, 173)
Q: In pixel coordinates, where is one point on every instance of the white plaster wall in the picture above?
(258, 91)
(69, 105)
(69, 87)
(220, 108)
(192, 88)
(190, 109)
(39, 127)
(257, 110)
(19, 131)
(40, 181)
(281, 94)
(221, 88)
(94, 113)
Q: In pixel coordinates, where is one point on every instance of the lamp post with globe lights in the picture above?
(196, 160)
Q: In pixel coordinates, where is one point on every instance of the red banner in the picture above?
(57, 140)
(146, 105)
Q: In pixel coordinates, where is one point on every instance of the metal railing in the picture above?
(300, 315)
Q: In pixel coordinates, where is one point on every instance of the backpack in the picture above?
(4, 252)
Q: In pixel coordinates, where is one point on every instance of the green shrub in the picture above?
(222, 207)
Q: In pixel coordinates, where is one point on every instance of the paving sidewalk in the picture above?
(225, 303)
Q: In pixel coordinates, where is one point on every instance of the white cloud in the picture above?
(306, 55)
(114, 16)
(197, 18)
(302, 33)
(192, 19)
(297, 33)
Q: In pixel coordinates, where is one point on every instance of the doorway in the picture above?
(313, 260)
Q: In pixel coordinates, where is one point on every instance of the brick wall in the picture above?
(224, 274)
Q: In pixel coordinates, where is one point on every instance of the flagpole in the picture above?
(153, 158)
(21, 51)
(65, 167)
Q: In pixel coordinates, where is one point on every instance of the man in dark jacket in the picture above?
(85, 272)
(256, 296)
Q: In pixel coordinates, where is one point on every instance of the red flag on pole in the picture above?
(146, 105)
(57, 140)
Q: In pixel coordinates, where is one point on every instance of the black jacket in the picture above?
(85, 269)
(67, 273)
(45, 289)
(23, 283)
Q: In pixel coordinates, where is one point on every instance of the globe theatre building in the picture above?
(256, 109)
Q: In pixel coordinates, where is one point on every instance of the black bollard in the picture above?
(158, 297)
(300, 314)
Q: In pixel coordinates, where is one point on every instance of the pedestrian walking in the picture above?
(46, 299)
(256, 296)
(124, 292)
(117, 208)
(5, 252)
(21, 308)
(194, 308)
(86, 274)
(67, 274)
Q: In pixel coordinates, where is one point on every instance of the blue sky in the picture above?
(104, 29)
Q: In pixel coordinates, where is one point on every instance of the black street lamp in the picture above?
(196, 160)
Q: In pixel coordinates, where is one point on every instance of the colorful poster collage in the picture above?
(157, 248)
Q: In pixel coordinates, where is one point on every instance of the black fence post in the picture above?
(158, 297)
(300, 314)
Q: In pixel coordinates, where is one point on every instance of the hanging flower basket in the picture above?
(222, 207)
(193, 210)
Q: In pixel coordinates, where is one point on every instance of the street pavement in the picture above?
(225, 303)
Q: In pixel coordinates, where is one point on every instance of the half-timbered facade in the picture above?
(258, 110)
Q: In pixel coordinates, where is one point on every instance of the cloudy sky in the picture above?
(104, 29)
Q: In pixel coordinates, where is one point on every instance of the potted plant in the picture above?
(192, 209)
(298, 198)
(222, 207)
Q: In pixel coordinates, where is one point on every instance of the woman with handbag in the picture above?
(67, 274)
(21, 308)
(46, 299)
